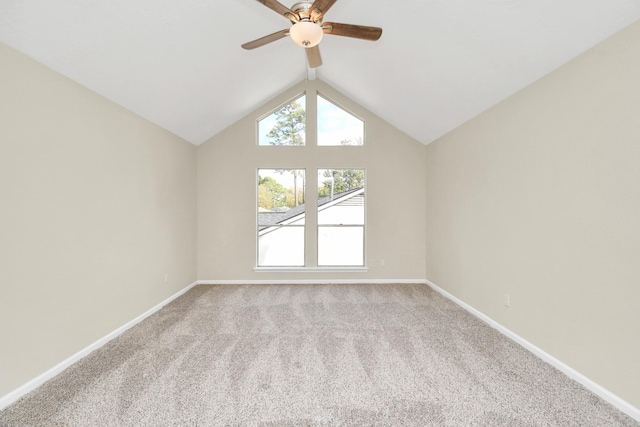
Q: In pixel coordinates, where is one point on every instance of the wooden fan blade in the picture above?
(313, 56)
(280, 9)
(355, 31)
(319, 8)
(266, 39)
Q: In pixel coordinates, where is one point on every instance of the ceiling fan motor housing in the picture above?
(303, 10)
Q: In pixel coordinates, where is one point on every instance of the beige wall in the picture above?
(97, 205)
(539, 198)
(227, 166)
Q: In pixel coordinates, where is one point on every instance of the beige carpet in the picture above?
(312, 355)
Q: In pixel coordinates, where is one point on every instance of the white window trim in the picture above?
(311, 269)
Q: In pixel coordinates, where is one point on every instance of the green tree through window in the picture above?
(289, 127)
(286, 126)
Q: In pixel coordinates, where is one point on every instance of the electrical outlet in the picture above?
(381, 263)
(166, 277)
(372, 263)
(507, 300)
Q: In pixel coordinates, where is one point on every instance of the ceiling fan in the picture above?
(307, 27)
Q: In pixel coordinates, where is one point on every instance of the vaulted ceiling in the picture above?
(179, 63)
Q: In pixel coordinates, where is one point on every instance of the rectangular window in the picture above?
(341, 217)
(281, 217)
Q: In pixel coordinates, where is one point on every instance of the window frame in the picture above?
(286, 222)
(311, 237)
(273, 110)
(363, 190)
(343, 108)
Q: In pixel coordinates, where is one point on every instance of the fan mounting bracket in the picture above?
(303, 10)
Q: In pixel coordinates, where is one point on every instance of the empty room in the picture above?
(322, 213)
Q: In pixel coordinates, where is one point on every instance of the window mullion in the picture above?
(311, 232)
(311, 235)
(311, 119)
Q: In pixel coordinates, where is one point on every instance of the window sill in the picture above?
(311, 269)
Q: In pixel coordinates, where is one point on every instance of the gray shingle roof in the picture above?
(273, 217)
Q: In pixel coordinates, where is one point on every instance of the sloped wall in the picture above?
(539, 198)
(227, 167)
(97, 205)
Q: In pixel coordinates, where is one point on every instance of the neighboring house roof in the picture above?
(273, 217)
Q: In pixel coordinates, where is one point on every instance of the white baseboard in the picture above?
(41, 379)
(595, 388)
(311, 282)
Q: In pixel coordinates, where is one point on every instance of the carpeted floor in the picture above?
(312, 355)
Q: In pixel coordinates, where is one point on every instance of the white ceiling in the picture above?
(179, 63)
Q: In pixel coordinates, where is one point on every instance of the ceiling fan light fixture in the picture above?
(306, 33)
